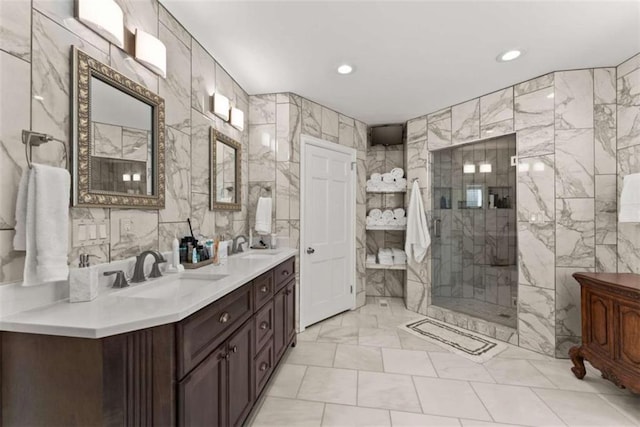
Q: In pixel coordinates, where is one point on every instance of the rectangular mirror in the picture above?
(119, 139)
(225, 172)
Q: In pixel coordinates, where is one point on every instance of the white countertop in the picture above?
(152, 303)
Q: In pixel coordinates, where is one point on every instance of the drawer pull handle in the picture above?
(263, 366)
(287, 292)
(264, 289)
(235, 349)
(264, 325)
(285, 273)
(225, 317)
(226, 356)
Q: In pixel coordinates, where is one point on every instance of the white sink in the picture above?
(261, 254)
(170, 288)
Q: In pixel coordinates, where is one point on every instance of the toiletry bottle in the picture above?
(216, 258)
(443, 203)
(175, 250)
(194, 256)
(274, 241)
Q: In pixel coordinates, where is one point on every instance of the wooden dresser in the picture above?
(610, 328)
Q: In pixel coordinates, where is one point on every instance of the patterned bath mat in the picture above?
(460, 341)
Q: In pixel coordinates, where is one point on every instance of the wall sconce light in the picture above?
(630, 199)
(485, 167)
(104, 17)
(469, 169)
(136, 177)
(523, 167)
(221, 106)
(538, 166)
(237, 118)
(151, 52)
(126, 177)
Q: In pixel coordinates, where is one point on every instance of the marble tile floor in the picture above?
(494, 313)
(358, 369)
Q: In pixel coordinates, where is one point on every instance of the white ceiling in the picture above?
(410, 58)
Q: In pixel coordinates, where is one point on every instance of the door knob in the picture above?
(310, 250)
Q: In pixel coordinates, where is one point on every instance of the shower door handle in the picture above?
(436, 227)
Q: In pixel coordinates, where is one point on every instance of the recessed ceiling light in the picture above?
(509, 55)
(345, 69)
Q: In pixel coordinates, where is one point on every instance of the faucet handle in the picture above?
(121, 280)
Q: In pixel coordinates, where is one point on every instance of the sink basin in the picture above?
(170, 288)
(261, 254)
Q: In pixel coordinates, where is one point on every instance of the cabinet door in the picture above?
(202, 394)
(279, 322)
(240, 373)
(290, 303)
(629, 335)
(600, 313)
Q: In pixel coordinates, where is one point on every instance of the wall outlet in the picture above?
(126, 226)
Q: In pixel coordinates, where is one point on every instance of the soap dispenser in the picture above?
(83, 281)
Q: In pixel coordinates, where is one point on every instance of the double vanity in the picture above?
(196, 348)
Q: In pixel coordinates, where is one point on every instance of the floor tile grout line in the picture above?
(481, 401)
(544, 402)
(415, 388)
(616, 408)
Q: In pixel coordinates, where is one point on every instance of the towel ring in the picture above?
(35, 139)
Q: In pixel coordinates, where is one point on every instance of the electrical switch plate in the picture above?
(126, 226)
(102, 231)
(93, 232)
(82, 232)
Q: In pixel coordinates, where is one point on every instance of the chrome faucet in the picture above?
(237, 248)
(138, 271)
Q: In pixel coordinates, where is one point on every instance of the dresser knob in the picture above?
(235, 349)
(264, 325)
(263, 366)
(264, 289)
(225, 317)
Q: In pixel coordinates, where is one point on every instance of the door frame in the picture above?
(306, 140)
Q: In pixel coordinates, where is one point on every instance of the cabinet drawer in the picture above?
(200, 333)
(264, 325)
(284, 272)
(262, 289)
(263, 366)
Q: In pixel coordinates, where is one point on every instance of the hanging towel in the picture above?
(263, 216)
(42, 224)
(418, 239)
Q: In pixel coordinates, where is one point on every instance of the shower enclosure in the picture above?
(474, 246)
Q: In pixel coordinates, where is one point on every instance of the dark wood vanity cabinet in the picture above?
(610, 327)
(206, 370)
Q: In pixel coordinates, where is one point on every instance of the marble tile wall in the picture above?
(36, 63)
(276, 122)
(382, 159)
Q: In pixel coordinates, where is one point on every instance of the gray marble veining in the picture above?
(604, 123)
(11, 262)
(606, 259)
(536, 313)
(568, 319)
(283, 134)
(439, 134)
(311, 118)
(135, 143)
(628, 248)
(176, 87)
(15, 29)
(283, 190)
(346, 136)
(496, 106)
(444, 114)
(628, 66)
(536, 141)
(534, 109)
(106, 140)
(178, 177)
(416, 129)
(575, 233)
(628, 89)
(330, 122)
(143, 235)
(533, 84)
(574, 99)
(200, 134)
(606, 210)
(361, 138)
(137, 72)
(262, 141)
(492, 130)
(604, 85)
(346, 120)
(15, 79)
(204, 220)
(262, 109)
(174, 26)
(465, 121)
(141, 14)
(535, 188)
(574, 163)
(628, 126)
(536, 250)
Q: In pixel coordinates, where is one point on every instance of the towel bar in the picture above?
(30, 139)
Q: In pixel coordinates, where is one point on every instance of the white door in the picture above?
(328, 230)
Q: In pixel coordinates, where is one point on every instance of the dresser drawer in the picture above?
(199, 334)
(284, 272)
(264, 325)
(263, 366)
(262, 289)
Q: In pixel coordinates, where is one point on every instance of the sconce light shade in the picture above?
(630, 199)
(237, 118)
(469, 168)
(485, 167)
(151, 52)
(221, 106)
(104, 17)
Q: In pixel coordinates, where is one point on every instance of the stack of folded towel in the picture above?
(399, 256)
(371, 259)
(387, 217)
(388, 256)
(390, 181)
(385, 256)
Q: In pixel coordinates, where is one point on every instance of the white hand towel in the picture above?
(376, 177)
(387, 214)
(398, 213)
(401, 183)
(46, 230)
(375, 213)
(397, 173)
(263, 216)
(20, 238)
(388, 178)
(418, 239)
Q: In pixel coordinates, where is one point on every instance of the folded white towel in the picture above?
(401, 183)
(397, 173)
(376, 177)
(263, 216)
(398, 213)
(387, 214)
(418, 239)
(371, 259)
(388, 178)
(42, 209)
(375, 213)
(402, 221)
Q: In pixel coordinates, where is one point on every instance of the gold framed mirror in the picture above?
(119, 131)
(225, 172)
